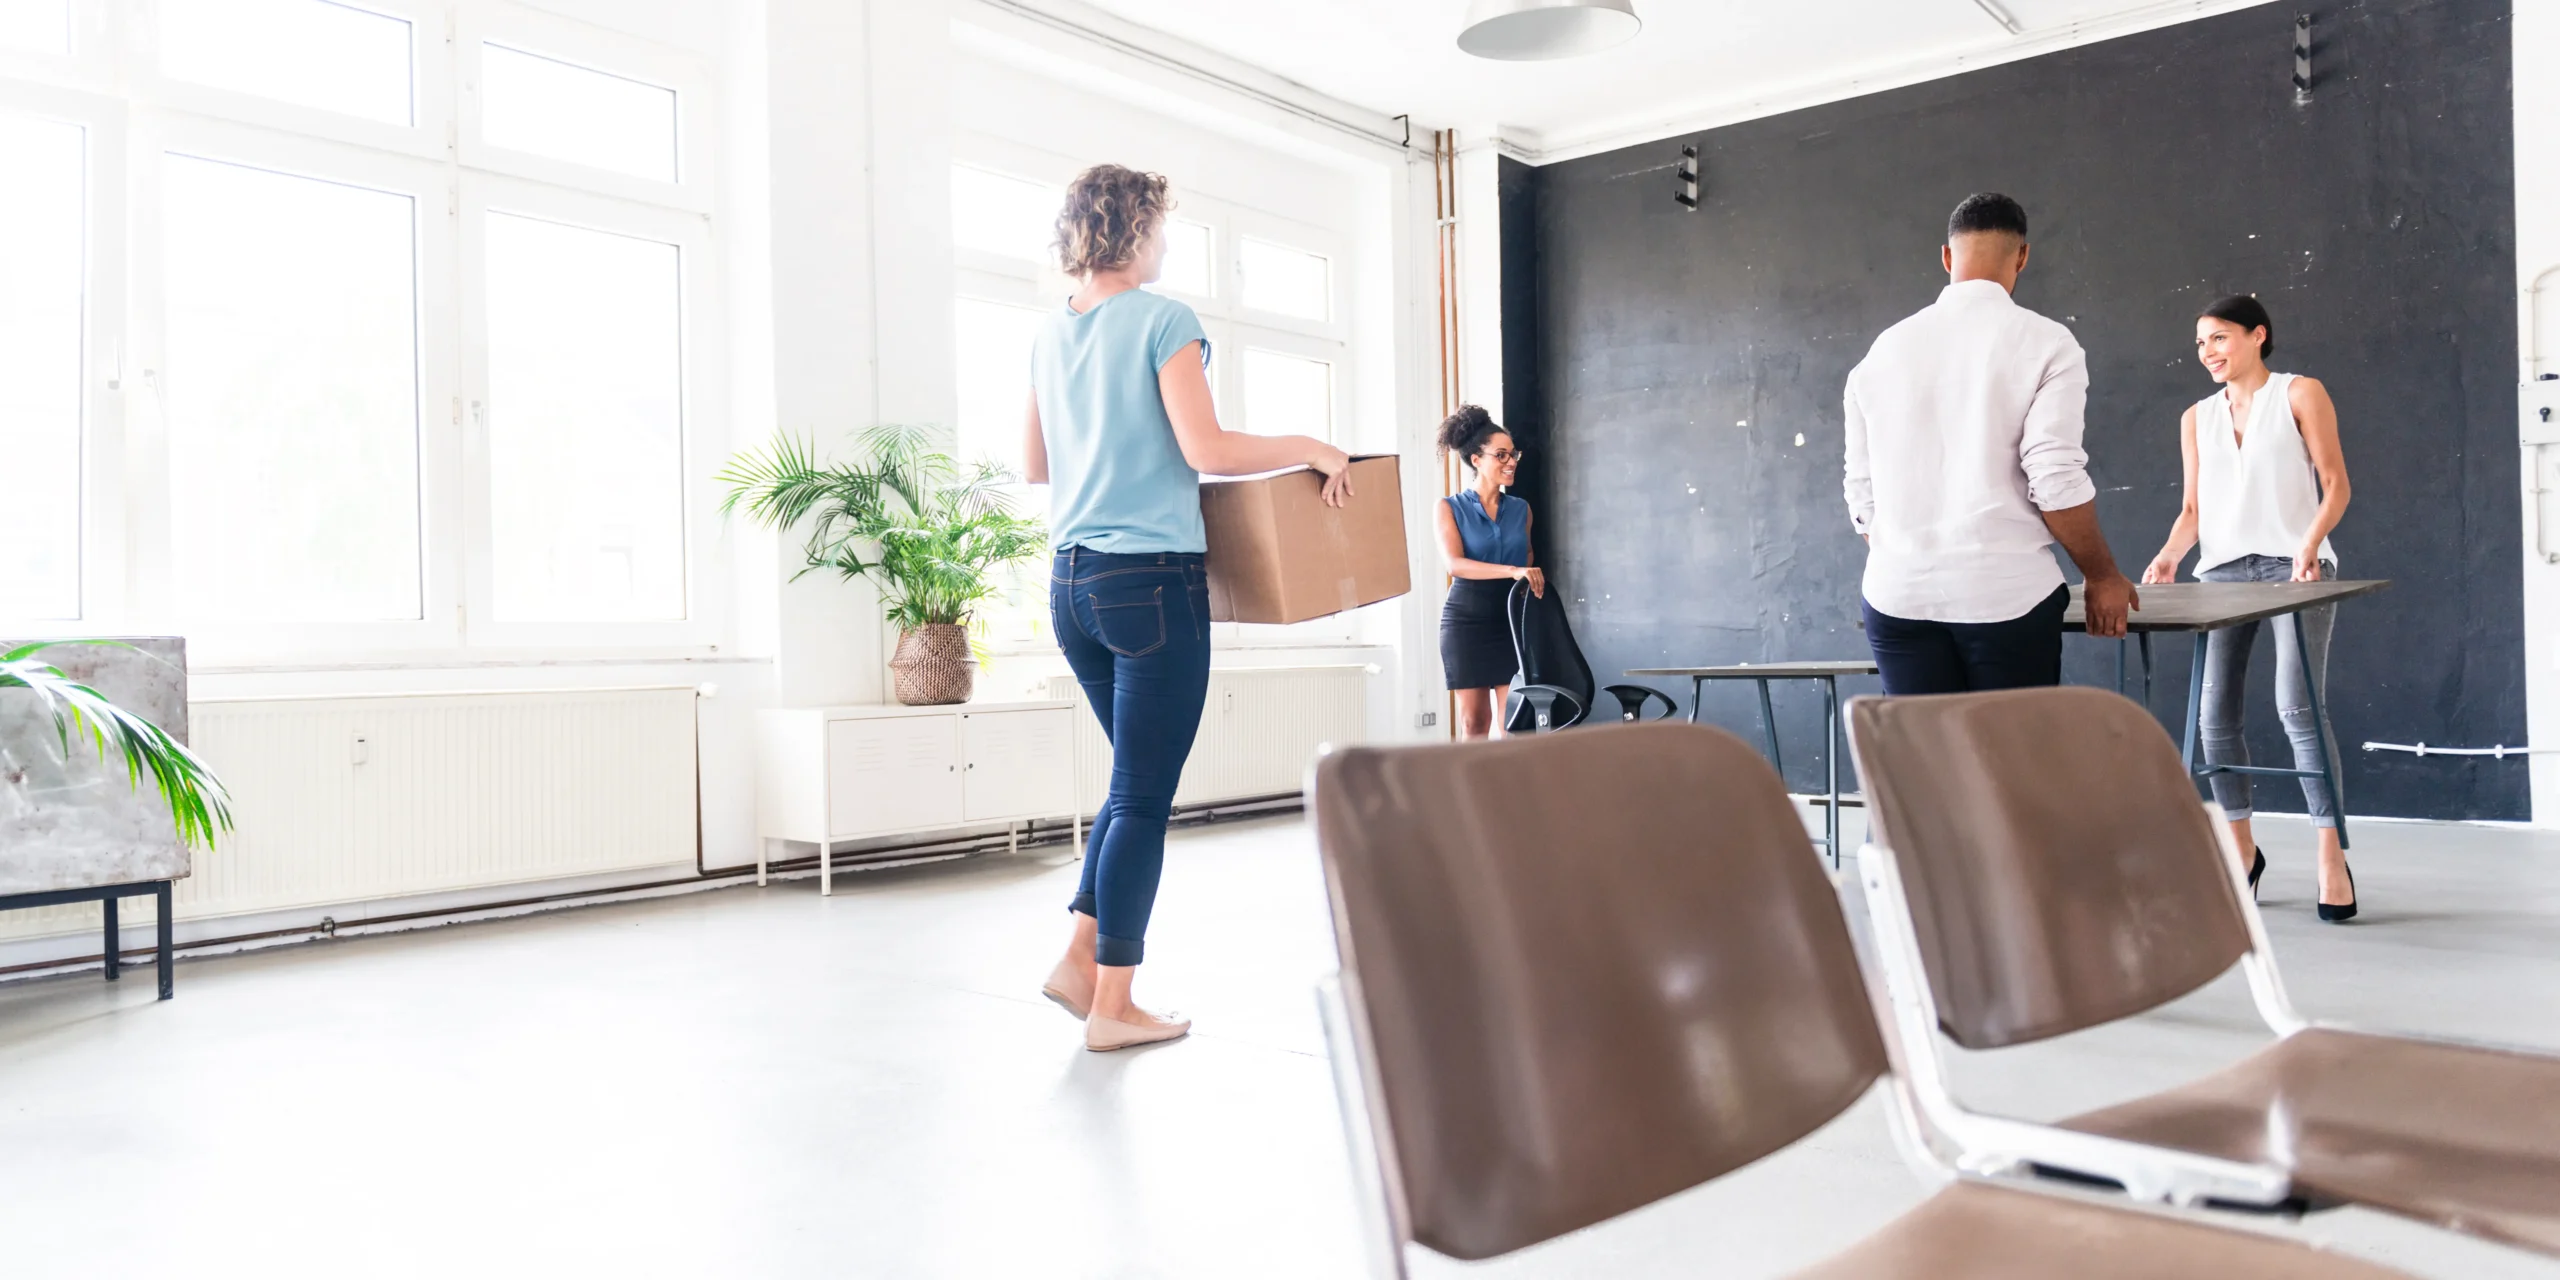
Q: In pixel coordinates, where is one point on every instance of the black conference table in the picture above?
(2201, 608)
(1828, 673)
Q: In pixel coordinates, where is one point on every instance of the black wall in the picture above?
(1679, 373)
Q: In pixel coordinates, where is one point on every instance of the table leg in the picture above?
(1697, 694)
(115, 942)
(2320, 728)
(1769, 730)
(2120, 664)
(168, 943)
(2146, 670)
(2195, 700)
(1831, 754)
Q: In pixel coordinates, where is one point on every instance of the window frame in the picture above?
(110, 85)
(150, 487)
(607, 52)
(102, 453)
(706, 602)
(426, 136)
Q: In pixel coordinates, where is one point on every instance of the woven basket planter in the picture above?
(933, 667)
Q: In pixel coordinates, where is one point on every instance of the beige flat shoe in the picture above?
(1079, 1012)
(1102, 1035)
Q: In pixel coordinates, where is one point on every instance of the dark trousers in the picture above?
(1916, 656)
(1135, 629)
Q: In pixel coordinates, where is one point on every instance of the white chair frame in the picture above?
(1998, 1146)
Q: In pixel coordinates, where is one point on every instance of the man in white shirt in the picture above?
(1965, 467)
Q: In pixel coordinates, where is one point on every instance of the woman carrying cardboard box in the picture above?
(1120, 426)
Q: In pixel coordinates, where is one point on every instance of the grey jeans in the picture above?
(2226, 675)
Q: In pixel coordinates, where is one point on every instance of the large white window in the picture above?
(37, 26)
(586, 423)
(311, 53)
(548, 107)
(331, 328)
(43, 223)
(992, 341)
(1264, 288)
(291, 311)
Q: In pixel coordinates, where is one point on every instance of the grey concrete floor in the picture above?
(758, 1083)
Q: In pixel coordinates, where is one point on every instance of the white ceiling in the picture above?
(1697, 62)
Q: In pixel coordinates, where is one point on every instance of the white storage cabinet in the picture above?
(830, 774)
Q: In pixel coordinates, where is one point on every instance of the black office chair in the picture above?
(1556, 687)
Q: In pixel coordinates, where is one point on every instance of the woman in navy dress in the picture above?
(1484, 533)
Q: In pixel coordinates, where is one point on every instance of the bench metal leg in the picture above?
(2320, 726)
(114, 942)
(168, 944)
(1697, 696)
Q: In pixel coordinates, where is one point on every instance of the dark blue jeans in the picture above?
(1135, 629)
(1916, 656)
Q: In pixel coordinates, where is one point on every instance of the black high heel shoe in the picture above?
(2340, 913)
(2257, 868)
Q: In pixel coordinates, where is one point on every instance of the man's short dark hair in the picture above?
(1987, 211)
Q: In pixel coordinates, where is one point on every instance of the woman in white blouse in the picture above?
(2266, 483)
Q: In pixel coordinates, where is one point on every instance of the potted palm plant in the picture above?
(929, 531)
(197, 803)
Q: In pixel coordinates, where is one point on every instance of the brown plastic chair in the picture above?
(2039, 864)
(1584, 972)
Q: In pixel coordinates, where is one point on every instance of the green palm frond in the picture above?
(198, 805)
(928, 529)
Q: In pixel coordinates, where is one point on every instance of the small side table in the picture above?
(1761, 673)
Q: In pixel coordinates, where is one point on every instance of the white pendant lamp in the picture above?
(1534, 30)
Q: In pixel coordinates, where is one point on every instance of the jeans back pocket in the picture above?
(1130, 622)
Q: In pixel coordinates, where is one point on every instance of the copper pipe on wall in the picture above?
(1444, 215)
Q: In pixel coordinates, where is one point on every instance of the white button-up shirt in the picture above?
(1963, 422)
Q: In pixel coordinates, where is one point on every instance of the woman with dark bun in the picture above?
(2266, 482)
(1484, 533)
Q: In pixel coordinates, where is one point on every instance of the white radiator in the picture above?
(354, 799)
(1259, 732)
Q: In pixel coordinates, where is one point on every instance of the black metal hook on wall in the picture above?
(1687, 195)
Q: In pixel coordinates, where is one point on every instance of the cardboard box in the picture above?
(1277, 553)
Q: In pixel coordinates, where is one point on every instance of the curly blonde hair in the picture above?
(1108, 214)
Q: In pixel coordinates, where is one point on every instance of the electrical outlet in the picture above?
(1426, 720)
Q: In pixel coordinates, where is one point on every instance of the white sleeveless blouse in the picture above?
(2256, 493)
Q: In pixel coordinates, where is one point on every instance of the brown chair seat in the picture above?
(2464, 1137)
(1983, 1232)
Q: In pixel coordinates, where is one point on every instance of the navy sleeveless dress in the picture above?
(1475, 634)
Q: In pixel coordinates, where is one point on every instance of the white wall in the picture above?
(2537, 106)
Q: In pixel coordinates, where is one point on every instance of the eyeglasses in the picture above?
(1498, 456)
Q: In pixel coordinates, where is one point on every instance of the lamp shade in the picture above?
(1531, 30)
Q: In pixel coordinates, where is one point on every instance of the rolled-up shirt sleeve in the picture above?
(1857, 482)
(2050, 450)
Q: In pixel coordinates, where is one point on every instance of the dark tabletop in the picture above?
(1765, 670)
(2210, 606)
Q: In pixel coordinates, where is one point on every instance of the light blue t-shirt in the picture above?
(1117, 481)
